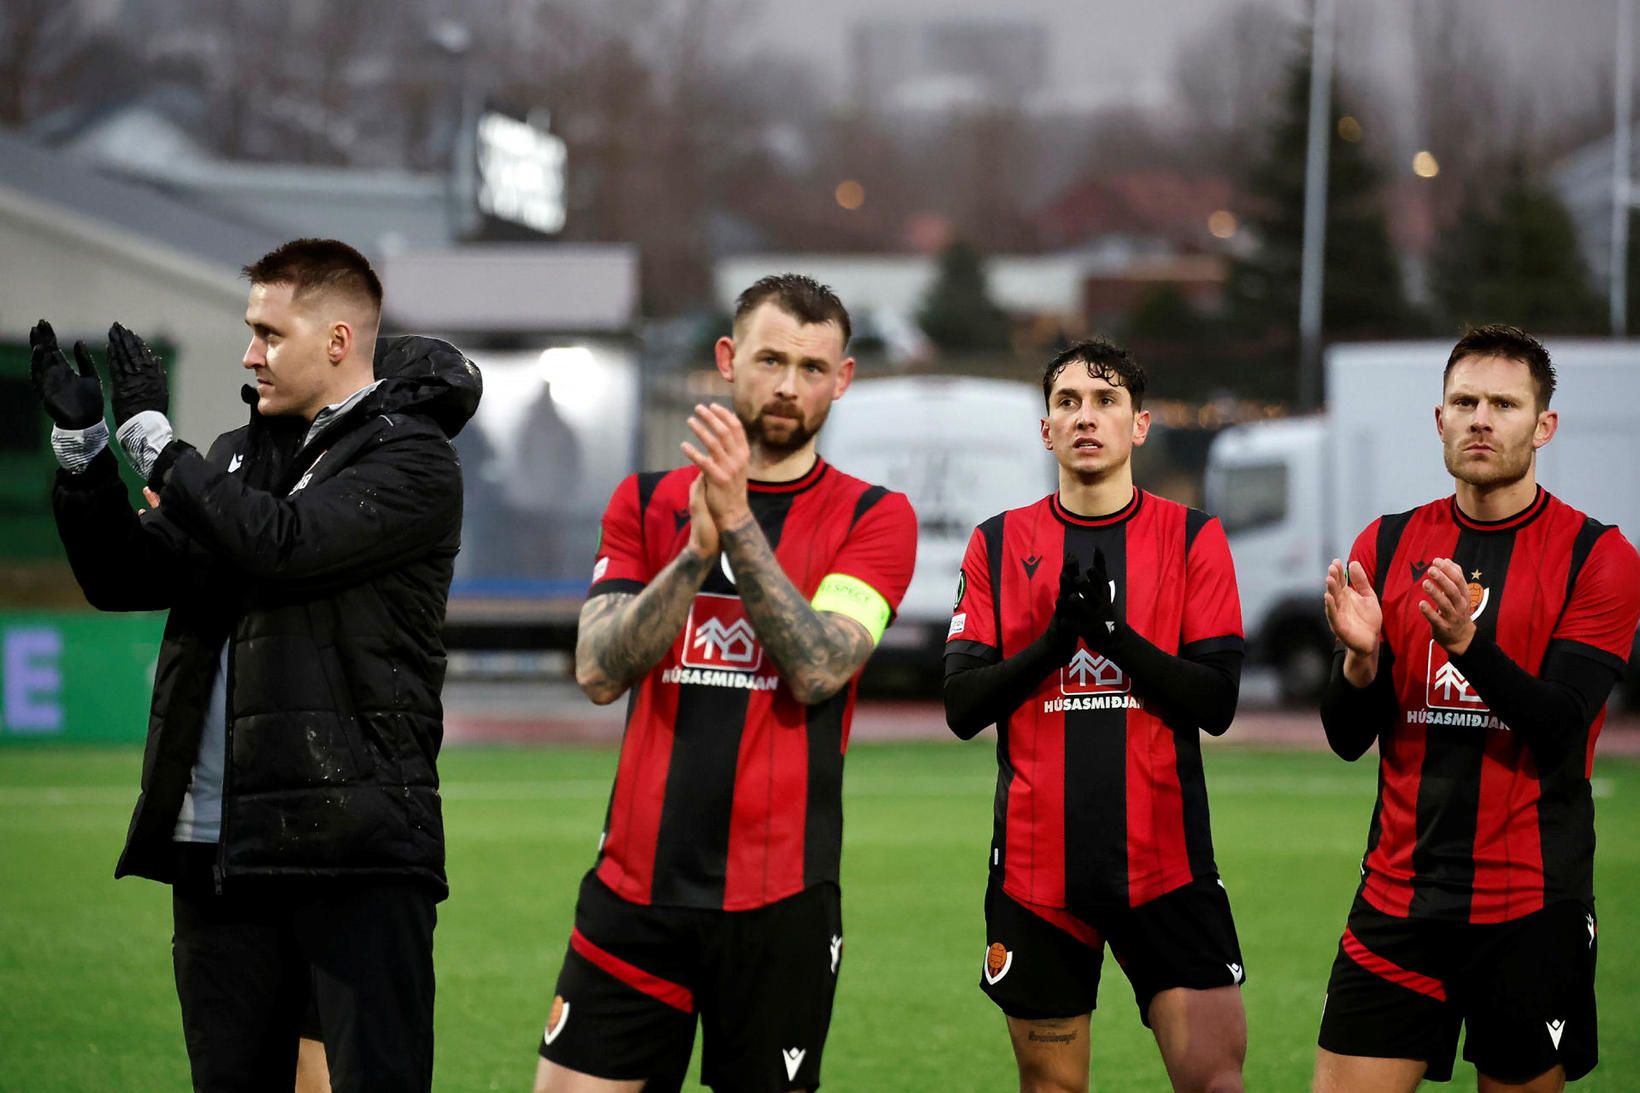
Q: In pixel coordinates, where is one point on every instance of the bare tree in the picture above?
(1229, 78)
(40, 40)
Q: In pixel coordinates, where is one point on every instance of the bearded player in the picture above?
(1479, 637)
(737, 598)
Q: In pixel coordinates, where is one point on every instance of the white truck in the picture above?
(962, 449)
(1293, 494)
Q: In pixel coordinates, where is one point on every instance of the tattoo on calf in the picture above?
(1051, 1037)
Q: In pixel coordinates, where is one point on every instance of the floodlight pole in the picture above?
(1315, 207)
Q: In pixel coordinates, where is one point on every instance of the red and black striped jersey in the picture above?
(1097, 799)
(729, 791)
(1466, 826)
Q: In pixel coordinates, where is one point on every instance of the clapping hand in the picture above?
(1352, 606)
(1099, 625)
(137, 375)
(1083, 608)
(74, 400)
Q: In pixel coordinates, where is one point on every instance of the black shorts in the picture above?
(1043, 962)
(635, 978)
(1522, 990)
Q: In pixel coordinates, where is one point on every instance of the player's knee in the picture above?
(1052, 1076)
(1218, 1075)
(1048, 1082)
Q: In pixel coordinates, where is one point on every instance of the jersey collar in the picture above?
(1126, 512)
(796, 485)
(1508, 523)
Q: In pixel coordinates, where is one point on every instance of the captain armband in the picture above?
(854, 598)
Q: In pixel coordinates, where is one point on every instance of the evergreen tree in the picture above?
(1512, 256)
(1362, 293)
(958, 315)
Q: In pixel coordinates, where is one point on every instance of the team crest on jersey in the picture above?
(599, 569)
(557, 1018)
(1479, 594)
(998, 959)
(720, 636)
(1089, 673)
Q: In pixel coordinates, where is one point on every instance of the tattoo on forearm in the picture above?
(622, 636)
(817, 653)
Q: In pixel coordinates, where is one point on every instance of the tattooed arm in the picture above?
(818, 651)
(623, 634)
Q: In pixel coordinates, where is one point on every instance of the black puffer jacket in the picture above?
(327, 567)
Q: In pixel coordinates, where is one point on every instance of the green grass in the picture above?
(86, 1000)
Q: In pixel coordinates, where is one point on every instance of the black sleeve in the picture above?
(401, 495)
(122, 561)
(1352, 716)
(978, 693)
(1196, 690)
(1549, 712)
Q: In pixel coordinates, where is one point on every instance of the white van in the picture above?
(962, 449)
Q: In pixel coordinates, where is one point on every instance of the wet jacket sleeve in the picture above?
(122, 561)
(400, 496)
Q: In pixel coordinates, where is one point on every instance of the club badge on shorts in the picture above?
(998, 959)
(557, 1018)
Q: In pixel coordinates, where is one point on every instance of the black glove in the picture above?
(74, 401)
(1097, 621)
(137, 375)
(1071, 617)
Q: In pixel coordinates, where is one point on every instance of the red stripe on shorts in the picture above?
(661, 990)
(1384, 969)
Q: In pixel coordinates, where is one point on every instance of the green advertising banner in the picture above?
(77, 676)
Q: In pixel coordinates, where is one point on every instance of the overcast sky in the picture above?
(1115, 51)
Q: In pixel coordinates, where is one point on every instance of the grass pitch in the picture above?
(86, 1000)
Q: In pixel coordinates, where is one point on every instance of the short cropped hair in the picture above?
(319, 265)
(801, 297)
(1510, 343)
(1105, 360)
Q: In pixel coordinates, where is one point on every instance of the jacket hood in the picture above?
(426, 376)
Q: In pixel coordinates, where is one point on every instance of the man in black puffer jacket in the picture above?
(289, 788)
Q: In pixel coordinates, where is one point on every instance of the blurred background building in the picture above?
(575, 190)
